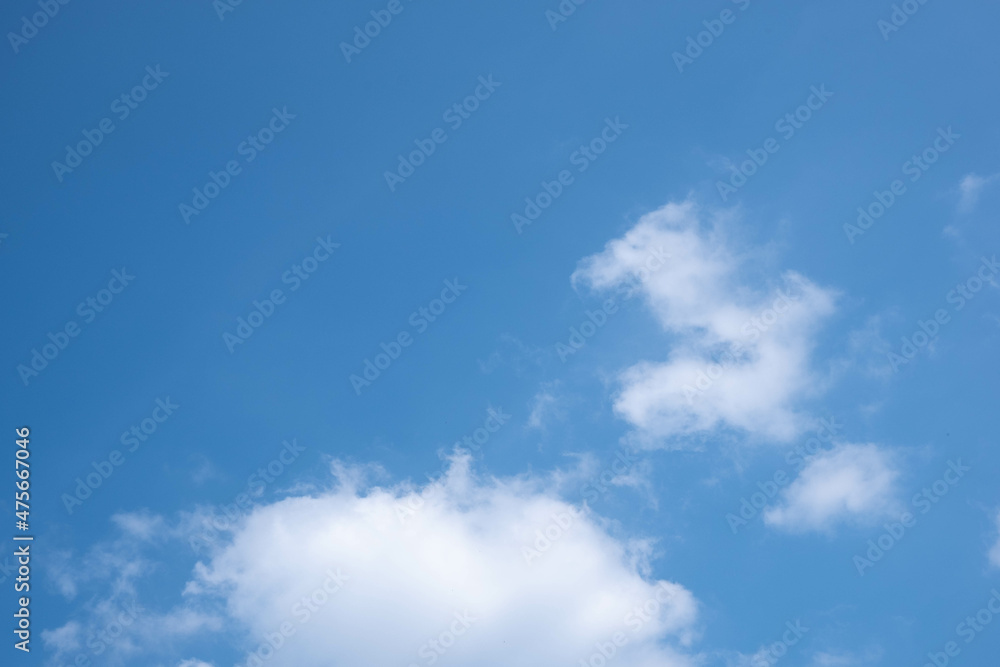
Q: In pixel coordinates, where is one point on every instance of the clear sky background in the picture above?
(357, 453)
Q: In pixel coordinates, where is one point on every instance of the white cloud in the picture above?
(970, 188)
(847, 484)
(544, 405)
(141, 526)
(193, 663)
(409, 559)
(763, 337)
(995, 551)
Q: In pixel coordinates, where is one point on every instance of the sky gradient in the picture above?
(505, 331)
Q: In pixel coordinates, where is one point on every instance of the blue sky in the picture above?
(624, 270)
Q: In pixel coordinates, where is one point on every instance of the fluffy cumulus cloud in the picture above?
(461, 571)
(854, 484)
(739, 357)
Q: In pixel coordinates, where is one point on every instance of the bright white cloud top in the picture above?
(463, 570)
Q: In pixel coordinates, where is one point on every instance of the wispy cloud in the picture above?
(995, 551)
(970, 188)
(545, 405)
